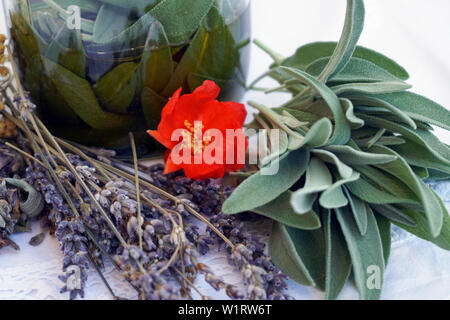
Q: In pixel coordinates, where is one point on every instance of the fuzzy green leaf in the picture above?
(344, 170)
(309, 53)
(356, 70)
(318, 179)
(359, 210)
(300, 254)
(260, 189)
(353, 26)
(280, 210)
(366, 252)
(351, 156)
(384, 226)
(354, 121)
(370, 88)
(334, 197)
(338, 262)
(394, 214)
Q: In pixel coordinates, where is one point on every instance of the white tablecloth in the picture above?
(413, 32)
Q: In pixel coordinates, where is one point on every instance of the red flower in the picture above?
(199, 124)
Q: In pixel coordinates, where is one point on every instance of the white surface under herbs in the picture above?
(409, 31)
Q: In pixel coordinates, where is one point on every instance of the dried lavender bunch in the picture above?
(263, 279)
(9, 214)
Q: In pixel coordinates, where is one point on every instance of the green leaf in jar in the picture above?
(68, 51)
(156, 65)
(152, 105)
(81, 98)
(212, 53)
(23, 34)
(110, 22)
(116, 89)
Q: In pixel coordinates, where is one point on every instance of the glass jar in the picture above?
(98, 69)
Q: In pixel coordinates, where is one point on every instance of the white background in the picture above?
(412, 32)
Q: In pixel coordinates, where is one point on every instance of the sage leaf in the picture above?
(366, 253)
(353, 26)
(368, 192)
(400, 169)
(418, 108)
(341, 132)
(281, 211)
(359, 210)
(79, 95)
(318, 135)
(116, 89)
(260, 189)
(356, 70)
(351, 156)
(417, 155)
(318, 179)
(384, 226)
(285, 256)
(393, 214)
(300, 254)
(344, 170)
(334, 196)
(375, 102)
(338, 262)
(422, 229)
(309, 53)
(370, 88)
(354, 121)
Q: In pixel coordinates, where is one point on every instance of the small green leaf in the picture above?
(280, 210)
(394, 214)
(260, 189)
(334, 197)
(351, 156)
(344, 170)
(354, 23)
(318, 135)
(299, 254)
(318, 179)
(422, 229)
(370, 88)
(384, 226)
(370, 193)
(419, 108)
(375, 102)
(359, 210)
(356, 70)
(309, 53)
(366, 253)
(116, 89)
(354, 121)
(338, 262)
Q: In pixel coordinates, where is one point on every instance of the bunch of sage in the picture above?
(115, 72)
(355, 149)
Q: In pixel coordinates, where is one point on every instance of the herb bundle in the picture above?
(115, 73)
(354, 151)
